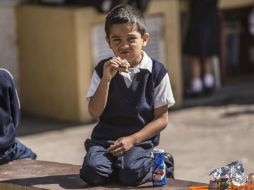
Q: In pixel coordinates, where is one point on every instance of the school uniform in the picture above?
(10, 147)
(203, 30)
(132, 98)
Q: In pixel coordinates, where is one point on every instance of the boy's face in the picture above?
(126, 42)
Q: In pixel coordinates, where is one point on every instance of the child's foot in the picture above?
(208, 83)
(169, 162)
(196, 88)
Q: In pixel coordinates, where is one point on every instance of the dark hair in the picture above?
(125, 14)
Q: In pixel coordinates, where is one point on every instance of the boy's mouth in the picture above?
(124, 54)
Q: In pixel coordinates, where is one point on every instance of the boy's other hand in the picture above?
(121, 145)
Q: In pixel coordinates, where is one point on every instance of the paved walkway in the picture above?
(207, 133)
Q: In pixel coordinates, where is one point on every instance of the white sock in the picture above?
(196, 85)
(208, 80)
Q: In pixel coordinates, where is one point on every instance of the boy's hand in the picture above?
(111, 67)
(121, 145)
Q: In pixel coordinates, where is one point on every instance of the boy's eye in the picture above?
(132, 39)
(116, 40)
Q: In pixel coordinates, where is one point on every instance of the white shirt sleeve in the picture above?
(93, 85)
(163, 94)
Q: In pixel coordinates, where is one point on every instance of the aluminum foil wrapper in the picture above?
(234, 171)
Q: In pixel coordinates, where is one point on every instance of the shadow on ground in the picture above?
(30, 125)
(241, 93)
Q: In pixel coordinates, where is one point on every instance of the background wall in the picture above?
(8, 38)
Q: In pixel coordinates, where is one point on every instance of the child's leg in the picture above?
(208, 76)
(97, 166)
(195, 68)
(10, 148)
(135, 167)
(196, 82)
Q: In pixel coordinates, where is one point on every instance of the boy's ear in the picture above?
(145, 39)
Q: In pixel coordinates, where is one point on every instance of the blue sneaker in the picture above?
(169, 162)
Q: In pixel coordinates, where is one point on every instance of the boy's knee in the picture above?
(91, 176)
(132, 176)
(136, 172)
(128, 177)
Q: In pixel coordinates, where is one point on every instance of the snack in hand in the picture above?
(124, 65)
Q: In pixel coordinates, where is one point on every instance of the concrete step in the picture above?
(34, 174)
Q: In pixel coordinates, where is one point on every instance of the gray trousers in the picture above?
(133, 168)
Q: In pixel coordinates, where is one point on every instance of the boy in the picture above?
(10, 147)
(132, 106)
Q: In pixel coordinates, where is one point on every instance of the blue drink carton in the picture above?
(159, 168)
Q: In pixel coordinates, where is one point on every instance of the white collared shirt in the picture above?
(163, 94)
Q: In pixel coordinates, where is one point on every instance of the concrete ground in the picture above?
(206, 133)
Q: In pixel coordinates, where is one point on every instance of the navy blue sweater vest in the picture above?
(9, 110)
(128, 110)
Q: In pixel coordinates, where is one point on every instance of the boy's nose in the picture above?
(125, 44)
